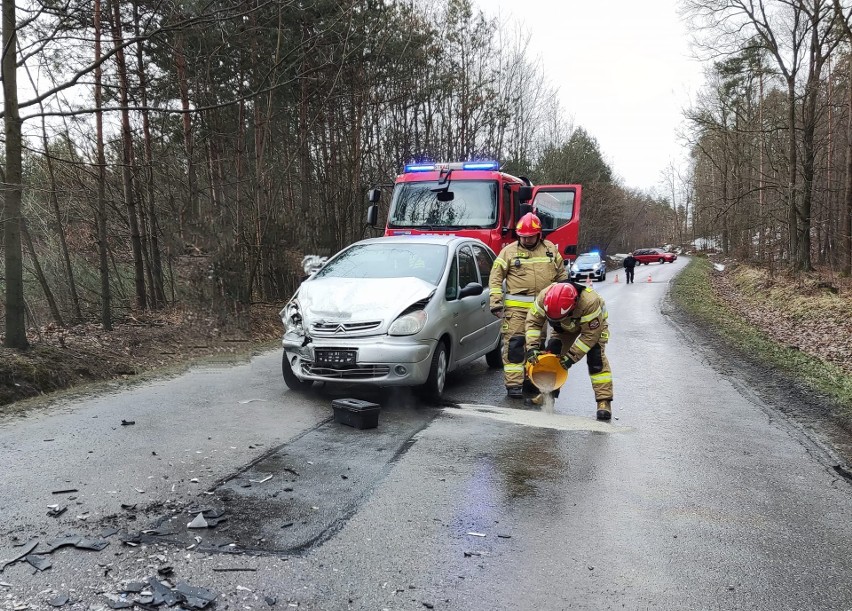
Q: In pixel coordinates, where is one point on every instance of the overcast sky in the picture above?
(624, 73)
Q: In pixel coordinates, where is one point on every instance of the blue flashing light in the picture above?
(481, 165)
(595, 252)
(419, 167)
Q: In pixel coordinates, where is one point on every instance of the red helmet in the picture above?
(528, 226)
(559, 300)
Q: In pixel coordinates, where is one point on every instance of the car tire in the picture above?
(495, 357)
(434, 386)
(603, 278)
(290, 379)
(662, 261)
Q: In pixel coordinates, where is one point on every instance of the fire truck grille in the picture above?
(338, 329)
(360, 372)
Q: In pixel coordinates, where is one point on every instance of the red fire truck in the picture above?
(476, 199)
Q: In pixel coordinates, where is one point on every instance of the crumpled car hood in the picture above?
(360, 299)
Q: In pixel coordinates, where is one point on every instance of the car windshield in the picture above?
(588, 260)
(473, 205)
(388, 260)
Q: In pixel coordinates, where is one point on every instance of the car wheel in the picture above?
(434, 387)
(495, 357)
(662, 261)
(603, 278)
(290, 379)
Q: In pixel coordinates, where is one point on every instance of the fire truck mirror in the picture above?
(372, 215)
(374, 195)
(525, 194)
(525, 208)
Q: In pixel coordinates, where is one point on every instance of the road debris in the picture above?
(260, 481)
(198, 522)
(127, 422)
(244, 401)
(28, 547)
(232, 569)
(39, 562)
(270, 600)
(54, 511)
(58, 600)
(65, 491)
(475, 534)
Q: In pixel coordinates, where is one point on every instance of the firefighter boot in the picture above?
(604, 410)
(515, 392)
(534, 402)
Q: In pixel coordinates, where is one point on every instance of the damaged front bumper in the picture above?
(381, 360)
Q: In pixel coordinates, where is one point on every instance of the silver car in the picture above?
(392, 311)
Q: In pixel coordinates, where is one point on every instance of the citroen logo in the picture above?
(340, 329)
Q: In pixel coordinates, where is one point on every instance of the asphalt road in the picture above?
(697, 496)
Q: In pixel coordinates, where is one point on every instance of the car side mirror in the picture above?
(525, 194)
(372, 215)
(374, 195)
(472, 288)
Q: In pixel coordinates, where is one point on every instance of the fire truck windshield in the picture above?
(472, 205)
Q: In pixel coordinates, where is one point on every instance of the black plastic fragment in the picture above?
(25, 551)
(92, 544)
(55, 544)
(58, 600)
(39, 562)
(127, 422)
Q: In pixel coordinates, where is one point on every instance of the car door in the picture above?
(490, 323)
(465, 313)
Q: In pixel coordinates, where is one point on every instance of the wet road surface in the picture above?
(696, 496)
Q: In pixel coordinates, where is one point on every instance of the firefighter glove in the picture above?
(532, 356)
(498, 311)
(566, 362)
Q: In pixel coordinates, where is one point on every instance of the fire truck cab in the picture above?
(475, 199)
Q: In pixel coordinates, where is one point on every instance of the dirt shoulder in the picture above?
(784, 340)
(159, 342)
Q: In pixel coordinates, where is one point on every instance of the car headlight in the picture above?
(408, 324)
(291, 316)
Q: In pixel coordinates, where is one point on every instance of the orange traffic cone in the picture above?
(616, 279)
(649, 277)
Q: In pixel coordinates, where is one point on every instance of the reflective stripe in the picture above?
(527, 298)
(501, 263)
(513, 367)
(532, 260)
(581, 346)
(535, 309)
(601, 378)
(495, 291)
(513, 303)
(533, 333)
(591, 316)
(604, 335)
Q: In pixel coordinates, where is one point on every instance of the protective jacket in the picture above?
(587, 323)
(526, 272)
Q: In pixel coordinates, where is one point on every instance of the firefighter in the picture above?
(578, 318)
(525, 268)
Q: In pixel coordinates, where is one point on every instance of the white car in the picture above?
(392, 311)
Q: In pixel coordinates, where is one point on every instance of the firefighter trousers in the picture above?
(514, 340)
(599, 371)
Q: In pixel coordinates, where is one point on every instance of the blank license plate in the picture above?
(336, 358)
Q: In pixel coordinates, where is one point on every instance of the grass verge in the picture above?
(693, 292)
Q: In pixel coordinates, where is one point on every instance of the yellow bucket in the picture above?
(547, 374)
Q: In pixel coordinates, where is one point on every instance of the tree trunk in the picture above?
(127, 159)
(100, 212)
(16, 332)
(158, 297)
(192, 209)
(792, 209)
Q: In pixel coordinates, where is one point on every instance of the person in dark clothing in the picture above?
(629, 264)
